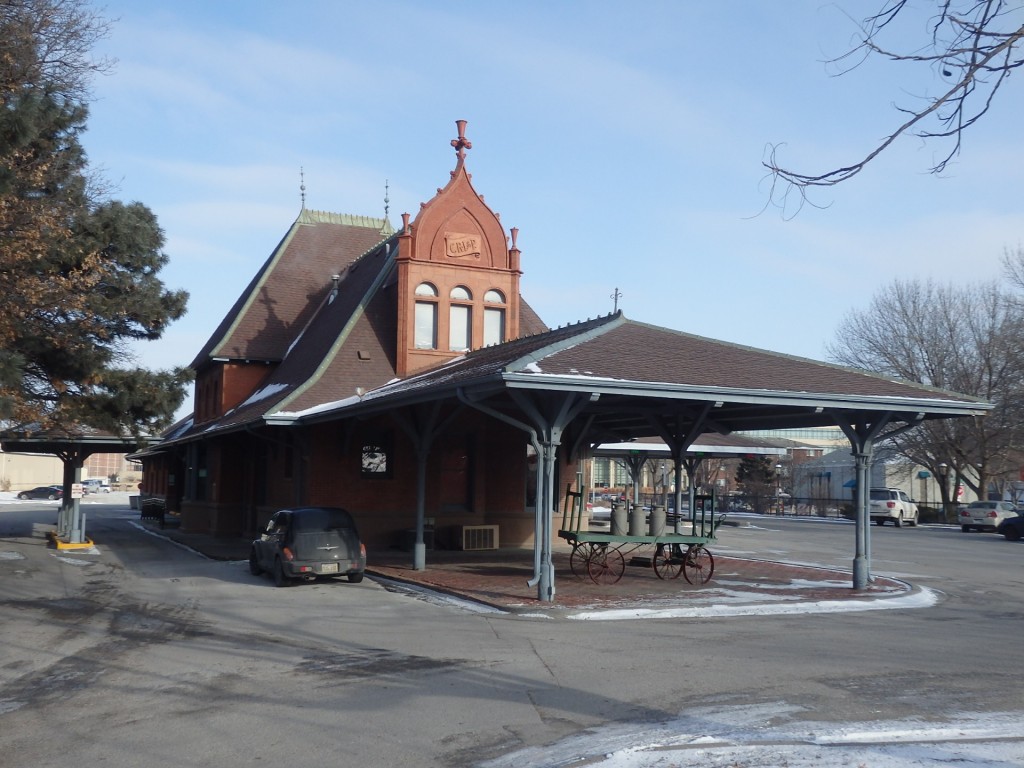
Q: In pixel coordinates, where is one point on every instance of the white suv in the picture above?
(96, 485)
(892, 504)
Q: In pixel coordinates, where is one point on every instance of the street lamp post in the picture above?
(778, 489)
(944, 489)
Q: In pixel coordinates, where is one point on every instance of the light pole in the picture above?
(944, 489)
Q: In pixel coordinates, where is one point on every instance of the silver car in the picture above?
(985, 515)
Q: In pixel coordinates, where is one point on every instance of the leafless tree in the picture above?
(51, 42)
(965, 339)
(974, 45)
(1013, 266)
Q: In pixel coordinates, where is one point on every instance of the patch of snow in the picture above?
(925, 598)
(334, 404)
(436, 598)
(749, 737)
(70, 560)
(262, 394)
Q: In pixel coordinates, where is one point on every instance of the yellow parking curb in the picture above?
(62, 544)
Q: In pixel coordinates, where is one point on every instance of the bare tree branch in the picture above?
(969, 45)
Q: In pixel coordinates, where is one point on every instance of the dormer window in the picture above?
(494, 317)
(460, 319)
(426, 316)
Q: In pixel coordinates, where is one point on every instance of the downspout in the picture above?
(539, 482)
(677, 472)
(691, 493)
(419, 548)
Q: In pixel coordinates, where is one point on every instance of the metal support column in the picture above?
(862, 554)
(71, 518)
(422, 428)
(863, 435)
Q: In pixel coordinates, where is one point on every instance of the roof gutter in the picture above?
(748, 396)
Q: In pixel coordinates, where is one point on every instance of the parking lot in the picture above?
(147, 651)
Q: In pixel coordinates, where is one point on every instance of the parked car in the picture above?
(95, 485)
(891, 504)
(1012, 527)
(985, 515)
(51, 492)
(309, 543)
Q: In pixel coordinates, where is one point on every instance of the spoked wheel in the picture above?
(698, 565)
(605, 565)
(668, 561)
(578, 559)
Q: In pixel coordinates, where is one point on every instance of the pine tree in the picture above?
(78, 271)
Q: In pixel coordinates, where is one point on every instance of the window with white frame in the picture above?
(494, 317)
(425, 333)
(460, 319)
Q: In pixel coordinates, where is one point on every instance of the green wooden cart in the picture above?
(601, 556)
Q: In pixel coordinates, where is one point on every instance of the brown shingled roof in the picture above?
(347, 342)
(635, 373)
(642, 352)
(285, 293)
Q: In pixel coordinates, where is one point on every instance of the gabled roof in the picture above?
(282, 297)
(346, 345)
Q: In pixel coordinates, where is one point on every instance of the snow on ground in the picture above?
(924, 598)
(750, 737)
(11, 497)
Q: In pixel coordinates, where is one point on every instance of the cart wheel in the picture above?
(698, 565)
(668, 561)
(605, 565)
(578, 559)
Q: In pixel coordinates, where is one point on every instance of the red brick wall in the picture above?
(386, 506)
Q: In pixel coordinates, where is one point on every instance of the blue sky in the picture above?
(623, 140)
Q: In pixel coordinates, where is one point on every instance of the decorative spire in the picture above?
(461, 144)
(616, 296)
(386, 201)
(302, 186)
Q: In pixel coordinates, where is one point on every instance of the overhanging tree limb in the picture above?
(976, 50)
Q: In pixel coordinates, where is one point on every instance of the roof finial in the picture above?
(386, 201)
(302, 186)
(461, 144)
(616, 296)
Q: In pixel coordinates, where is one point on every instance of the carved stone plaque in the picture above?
(462, 246)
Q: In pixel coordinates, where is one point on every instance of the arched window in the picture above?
(460, 319)
(494, 317)
(425, 333)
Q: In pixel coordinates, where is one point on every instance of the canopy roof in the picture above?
(641, 380)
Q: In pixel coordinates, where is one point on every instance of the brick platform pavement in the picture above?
(499, 579)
